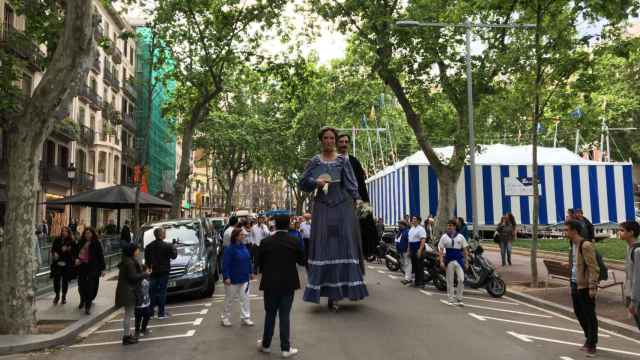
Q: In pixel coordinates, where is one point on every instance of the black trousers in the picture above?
(277, 305)
(142, 316)
(417, 267)
(61, 282)
(88, 283)
(585, 309)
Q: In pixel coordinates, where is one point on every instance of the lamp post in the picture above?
(71, 175)
(467, 25)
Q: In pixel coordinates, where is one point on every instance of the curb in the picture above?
(552, 255)
(27, 343)
(618, 327)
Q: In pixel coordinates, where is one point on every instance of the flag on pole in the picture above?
(372, 114)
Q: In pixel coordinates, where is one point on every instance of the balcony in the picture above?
(130, 88)
(22, 46)
(129, 122)
(115, 83)
(91, 97)
(129, 155)
(116, 55)
(107, 77)
(97, 66)
(111, 114)
(53, 174)
(67, 130)
(87, 136)
(84, 181)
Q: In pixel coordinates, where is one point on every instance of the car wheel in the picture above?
(211, 285)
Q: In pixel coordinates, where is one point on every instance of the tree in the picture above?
(207, 39)
(71, 50)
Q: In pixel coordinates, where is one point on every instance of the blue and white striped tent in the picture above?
(603, 190)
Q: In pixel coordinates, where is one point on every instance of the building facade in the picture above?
(97, 134)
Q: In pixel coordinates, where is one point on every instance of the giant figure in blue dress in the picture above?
(335, 254)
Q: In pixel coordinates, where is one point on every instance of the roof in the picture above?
(498, 154)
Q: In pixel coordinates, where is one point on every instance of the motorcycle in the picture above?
(433, 272)
(481, 273)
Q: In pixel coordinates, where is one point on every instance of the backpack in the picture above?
(604, 271)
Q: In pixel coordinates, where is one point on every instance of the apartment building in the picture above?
(97, 135)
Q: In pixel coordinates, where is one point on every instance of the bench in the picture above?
(561, 270)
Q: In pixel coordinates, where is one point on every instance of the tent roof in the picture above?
(114, 197)
(498, 154)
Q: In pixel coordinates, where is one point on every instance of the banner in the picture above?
(519, 186)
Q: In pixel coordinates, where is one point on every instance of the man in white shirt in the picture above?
(453, 252)
(417, 239)
(260, 231)
(305, 230)
(226, 236)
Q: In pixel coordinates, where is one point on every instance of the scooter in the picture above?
(482, 274)
(433, 272)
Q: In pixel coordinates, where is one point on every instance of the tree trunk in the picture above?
(67, 70)
(447, 180)
(536, 121)
(228, 194)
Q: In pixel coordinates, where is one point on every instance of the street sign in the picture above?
(519, 186)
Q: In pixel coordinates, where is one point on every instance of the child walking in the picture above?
(143, 306)
(236, 271)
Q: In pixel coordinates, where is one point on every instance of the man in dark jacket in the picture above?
(368, 229)
(588, 233)
(158, 255)
(125, 234)
(276, 259)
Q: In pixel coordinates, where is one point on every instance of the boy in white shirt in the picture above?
(453, 252)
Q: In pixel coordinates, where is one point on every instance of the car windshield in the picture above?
(218, 223)
(187, 233)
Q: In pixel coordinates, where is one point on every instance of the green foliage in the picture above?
(611, 248)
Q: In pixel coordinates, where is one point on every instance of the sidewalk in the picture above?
(609, 305)
(60, 324)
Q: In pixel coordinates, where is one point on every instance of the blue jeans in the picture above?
(277, 305)
(505, 252)
(158, 293)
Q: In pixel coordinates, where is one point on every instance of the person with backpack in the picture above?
(585, 274)
(629, 231)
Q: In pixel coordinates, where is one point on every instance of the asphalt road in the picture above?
(395, 322)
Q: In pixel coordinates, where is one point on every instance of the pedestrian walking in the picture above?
(380, 227)
(453, 253)
(226, 237)
(61, 257)
(402, 247)
(462, 228)
(506, 234)
(305, 230)
(294, 231)
(587, 226)
(125, 234)
(276, 260)
(90, 267)
(629, 231)
(158, 254)
(335, 266)
(417, 241)
(130, 275)
(236, 272)
(584, 284)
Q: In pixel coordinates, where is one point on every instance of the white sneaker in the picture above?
(226, 323)
(460, 304)
(247, 322)
(262, 348)
(290, 353)
(451, 303)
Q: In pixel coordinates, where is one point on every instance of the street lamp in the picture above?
(467, 25)
(71, 175)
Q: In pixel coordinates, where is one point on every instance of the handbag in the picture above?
(496, 237)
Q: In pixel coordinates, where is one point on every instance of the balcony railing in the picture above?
(107, 76)
(87, 135)
(97, 66)
(130, 88)
(129, 121)
(115, 83)
(21, 45)
(53, 174)
(116, 55)
(111, 114)
(129, 155)
(84, 181)
(91, 96)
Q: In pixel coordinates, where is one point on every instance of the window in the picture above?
(125, 47)
(8, 16)
(82, 116)
(124, 74)
(124, 105)
(49, 155)
(131, 58)
(92, 123)
(116, 169)
(102, 166)
(91, 169)
(81, 162)
(63, 156)
(94, 85)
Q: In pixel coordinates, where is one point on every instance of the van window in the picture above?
(183, 233)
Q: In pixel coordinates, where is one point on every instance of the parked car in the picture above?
(195, 270)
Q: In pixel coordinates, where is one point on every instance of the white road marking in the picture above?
(573, 320)
(485, 318)
(530, 338)
(189, 333)
(484, 300)
(426, 292)
(250, 298)
(565, 358)
(393, 277)
(201, 312)
(196, 322)
(188, 305)
(471, 291)
(501, 310)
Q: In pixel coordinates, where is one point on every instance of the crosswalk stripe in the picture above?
(501, 310)
(189, 333)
